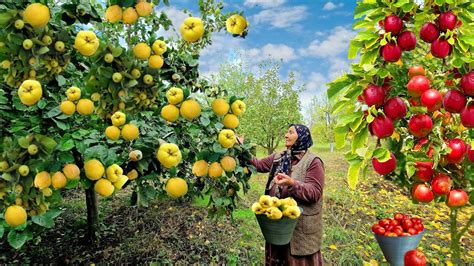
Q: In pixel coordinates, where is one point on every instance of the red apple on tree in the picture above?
(420, 125)
(441, 48)
(454, 101)
(385, 168)
(429, 32)
(457, 198)
(416, 71)
(373, 95)
(422, 193)
(467, 83)
(391, 52)
(424, 171)
(458, 150)
(417, 85)
(382, 126)
(432, 100)
(393, 24)
(441, 184)
(395, 108)
(447, 21)
(467, 116)
(407, 41)
(414, 258)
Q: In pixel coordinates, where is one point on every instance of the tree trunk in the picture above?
(92, 215)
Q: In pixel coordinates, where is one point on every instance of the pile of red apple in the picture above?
(400, 225)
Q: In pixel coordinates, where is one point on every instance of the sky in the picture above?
(311, 37)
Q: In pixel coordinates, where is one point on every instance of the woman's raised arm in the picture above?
(263, 165)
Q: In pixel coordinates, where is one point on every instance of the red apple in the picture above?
(395, 108)
(391, 52)
(422, 193)
(454, 101)
(417, 85)
(407, 224)
(470, 153)
(467, 83)
(416, 71)
(393, 24)
(419, 227)
(412, 231)
(447, 21)
(424, 171)
(441, 184)
(457, 198)
(458, 150)
(382, 126)
(429, 32)
(432, 99)
(441, 48)
(414, 258)
(420, 125)
(385, 168)
(407, 41)
(373, 95)
(467, 116)
(377, 229)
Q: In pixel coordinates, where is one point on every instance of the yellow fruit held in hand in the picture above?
(118, 119)
(228, 163)
(85, 107)
(104, 187)
(113, 172)
(265, 201)
(37, 15)
(30, 92)
(274, 213)
(215, 170)
(257, 208)
(122, 179)
(159, 47)
(73, 94)
(238, 107)
(58, 180)
(142, 51)
(169, 155)
(220, 107)
(148, 79)
(130, 132)
(200, 168)
(132, 175)
(15, 215)
(67, 107)
(94, 169)
(190, 109)
(176, 187)
(236, 24)
(71, 171)
(86, 42)
(113, 14)
(227, 138)
(155, 62)
(144, 9)
(129, 16)
(231, 121)
(174, 95)
(42, 180)
(112, 132)
(24, 170)
(192, 29)
(170, 113)
(32, 149)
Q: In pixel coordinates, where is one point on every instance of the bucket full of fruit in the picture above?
(397, 236)
(277, 218)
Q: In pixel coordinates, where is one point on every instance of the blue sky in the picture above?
(311, 37)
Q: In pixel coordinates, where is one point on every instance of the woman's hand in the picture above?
(284, 180)
(240, 139)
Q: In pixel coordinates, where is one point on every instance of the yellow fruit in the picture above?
(67, 107)
(113, 13)
(94, 169)
(288, 202)
(6, 64)
(231, 121)
(47, 40)
(112, 132)
(59, 46)
(54, 63)
(192, 29)
(144, 9)
(155, 62)
(176, 187)
(130, 132)
(136, 73)
(174, 95)
(85, 107)
(24, 170)
(159, 47)
(122, 179)
(132, 175)
(104, 187)
(142, 51)
(148, 79)
(220, 107)
(190, 109)
(215, 170)
(258, 209)
(200, 168)
(42, 180)
(30, 92)
(117, 77)
(15, 215)
(3, 166)
(238, 107)
(86, 42)
(169, 155)
(265, 201)
(18, 189)
(170, 113)
(19, 201)
(276, 202)
(227, 138)
(32, 74)
(19, 24)
(142, 96)
(121, 105)
(236, 24)
(135, 155)
(58, 180)
(228, 163)
(37, 15)
(274, 213)
(71, 171)
(130, 16)
(292, 212)
(95, 97)
(113, 172)
(32, 61)
(32, 149)
(73, 94)
(108, 58)
(118, 119)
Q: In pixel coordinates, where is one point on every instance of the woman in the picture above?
(297, 173)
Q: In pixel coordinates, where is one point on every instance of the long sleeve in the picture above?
(263, 165)
(311, 189)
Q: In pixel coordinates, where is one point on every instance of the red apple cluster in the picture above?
(406, 40)
(400, 225)
(430, 33)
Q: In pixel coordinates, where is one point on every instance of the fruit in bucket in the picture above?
(400, 225)
(275, 208)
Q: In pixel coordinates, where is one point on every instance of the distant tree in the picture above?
(321, 120)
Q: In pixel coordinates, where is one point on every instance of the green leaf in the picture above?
(360, 139)
(67, 145)
(43, 220)
(116, 51)
(72, 184)
(411, 169)
(17, 239)
(369, 57)
(340, 134)
(400, 3)
(382, 154)
(353, 173)
(48, 143)
(451, 41)
(346, 119)
(354, 47)
(2, 230)
(468, 39)
(364, 9)
(131, 83)
(61, 80)
(24, 142)
(383, 42)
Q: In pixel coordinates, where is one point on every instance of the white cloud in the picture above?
(331, 6)
(281, 17)
(335, 44)
(275, 51)
(176, 16)
(264, 3)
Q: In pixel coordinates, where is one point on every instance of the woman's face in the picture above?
(290, 137)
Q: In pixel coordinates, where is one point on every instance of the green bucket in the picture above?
(277, 232)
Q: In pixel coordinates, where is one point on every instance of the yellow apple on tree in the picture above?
(192, 29)
(169, 155)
